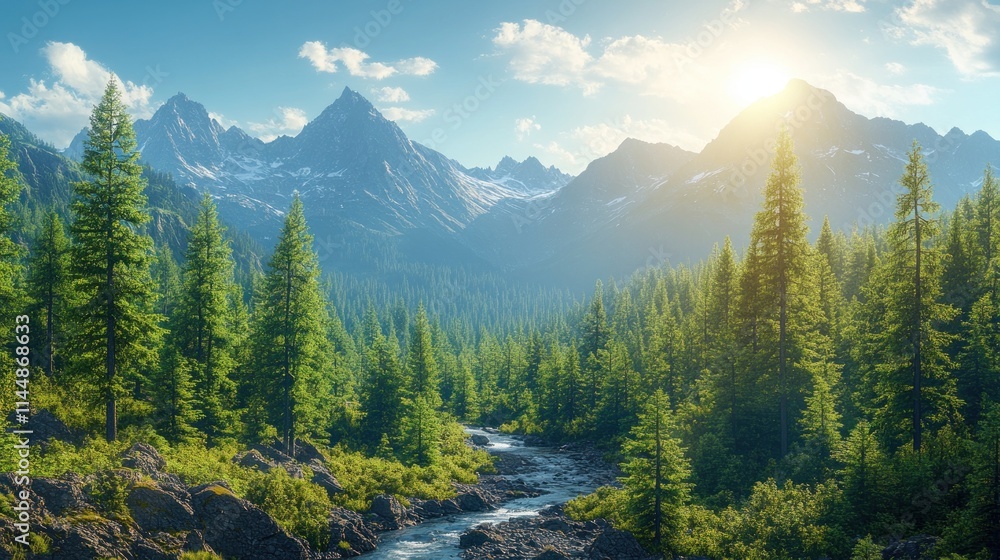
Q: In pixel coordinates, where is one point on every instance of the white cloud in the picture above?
(541, 53)
(583, 144)
(356, 62)
(290, 122)
(865, 96)
(58, 109)
(894, 68)
(400, 114)
(968, 30)
(417, 66)
(524, 126)
(391, 94)
(546, 54)
(852, 6)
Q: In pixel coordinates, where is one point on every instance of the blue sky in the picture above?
(564, 80)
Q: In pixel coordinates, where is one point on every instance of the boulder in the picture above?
(47, 427)
(236, 528)
(144, 458)
(60, 496)
(306, 452)
(323, 478)
(391, 514)
(349, 527)
(154, 509)
(613, 544)
(253, 459)
(920, 547)
(551, 554)
(86, 537)
(473, 500)
(480, 440)
(477, 537)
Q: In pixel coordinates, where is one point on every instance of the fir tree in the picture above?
(116, 331)
(48, 288)
(914, 385)
(382, 390)
(779, 235)
(201, 324)
(290, 354)
(655, 475)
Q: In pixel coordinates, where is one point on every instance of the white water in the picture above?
(562, 476)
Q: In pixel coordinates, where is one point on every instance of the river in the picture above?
(563, 476)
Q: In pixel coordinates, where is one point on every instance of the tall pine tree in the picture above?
(115, 331)
(291, 355)
(48, 287)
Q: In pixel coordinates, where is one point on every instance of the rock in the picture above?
(236, 528)
(613, 544)
(60, 496)
(323, 478)
(274, 454)
(86, 537)
(349, 527)
(473, 500)
(477, 537)
(551, 555)
(144, 458)
(391, 514)
(480, 440)
(306, 452)
(154, 509)
(47, 427)
(195, 542)
(253, 460)
(146, 550)
(920, 547)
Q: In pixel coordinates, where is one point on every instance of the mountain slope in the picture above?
(850, 168)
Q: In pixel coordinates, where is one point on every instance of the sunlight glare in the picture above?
(752, 81)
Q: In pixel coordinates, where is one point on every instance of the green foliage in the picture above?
(290, 379)
(107, 491)
(298, 506)
(201, 555)
(865, 549)
(115, 331)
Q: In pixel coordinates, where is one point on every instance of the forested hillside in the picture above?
(788, 399)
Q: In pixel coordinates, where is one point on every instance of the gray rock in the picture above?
(253, 459)
(349, 527)
(477, 537)
(59, 496)
(154, 509)
(613, 544)
(390, 513)
(144, 458)
(920, 547)
(480, 440)
(323, 478)
(236, 528)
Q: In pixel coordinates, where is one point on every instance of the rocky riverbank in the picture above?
(166, 517)
(551, 536)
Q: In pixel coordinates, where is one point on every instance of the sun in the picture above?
(753, 80)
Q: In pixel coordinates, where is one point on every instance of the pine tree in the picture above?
(594, 338)
(10, 188)
(722, 315)
(987, 228)
(175, 398)
(200, 326)
(116, 331)
(420, 362)
(421, 431)
(861, 473)
(914, 384)
(382, 390)
(980, 358)
(779, 234)
(655, 475)
(290, 352)
(48, 288)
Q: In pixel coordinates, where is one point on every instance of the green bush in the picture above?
(299, 506)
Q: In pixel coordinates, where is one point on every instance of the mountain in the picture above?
(374, 197)
(363, 182)
(529, 176)
(628, 210)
